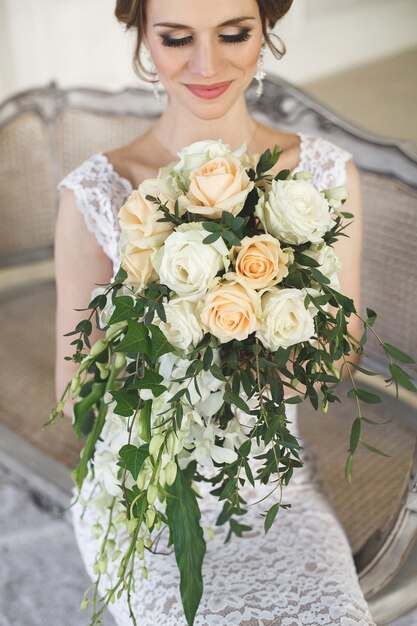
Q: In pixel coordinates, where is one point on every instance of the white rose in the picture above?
(330, 263)
(187, 265)
(285, 320)
(198, 153)
(294, 211)
(181, 327)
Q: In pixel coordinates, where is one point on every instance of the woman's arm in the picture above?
(80, 264)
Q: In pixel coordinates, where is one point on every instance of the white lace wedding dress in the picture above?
(302, 572)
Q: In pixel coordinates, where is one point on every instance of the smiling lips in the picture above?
(208, 92)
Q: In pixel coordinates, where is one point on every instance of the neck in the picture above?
(178, 127)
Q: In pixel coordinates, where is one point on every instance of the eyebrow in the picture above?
(230, 22)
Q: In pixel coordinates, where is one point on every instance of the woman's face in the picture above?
(199, 44)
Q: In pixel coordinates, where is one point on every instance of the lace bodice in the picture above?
(302, 572)
(100, 191)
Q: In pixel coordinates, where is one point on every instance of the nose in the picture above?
(206, 59)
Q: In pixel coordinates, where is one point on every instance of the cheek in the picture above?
(169, 61)
(247, 57)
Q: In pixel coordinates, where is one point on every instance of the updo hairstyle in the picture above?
(132, 13)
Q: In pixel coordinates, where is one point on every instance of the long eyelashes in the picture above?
(176, 43)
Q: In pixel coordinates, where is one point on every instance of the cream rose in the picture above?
(260, 262)
(139, 267)
(181, 327)
(139, 217)
(230, 310)
(186, 264)
(221, 184)
(329, 261)
(294, 211)
(285, 320)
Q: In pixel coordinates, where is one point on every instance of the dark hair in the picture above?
(132, 14)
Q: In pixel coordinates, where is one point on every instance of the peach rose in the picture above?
(260, 262)
(230, 310)
(221, 184)
(137, 262)
(139, 217)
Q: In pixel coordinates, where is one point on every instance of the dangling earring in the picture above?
(149, 66)
(260, 73)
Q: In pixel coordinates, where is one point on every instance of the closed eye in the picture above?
(244, 35)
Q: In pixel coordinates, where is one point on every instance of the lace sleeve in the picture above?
(99, 193)
(325, 160)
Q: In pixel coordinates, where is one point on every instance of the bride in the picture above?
(302, 572)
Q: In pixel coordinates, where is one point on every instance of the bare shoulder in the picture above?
(288, 143)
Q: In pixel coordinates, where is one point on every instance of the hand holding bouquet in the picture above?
(225, 310)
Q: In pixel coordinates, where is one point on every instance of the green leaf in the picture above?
(134, 457)
(217, 372)
(248, 472)
(267, 160)
(283, 175)
(376, 450)
(293, 400)
(99, 301)
(207, 358)
(245, 447)
(355, 434)
(306, 260)
(211, 238)
(145, 420)
(120, 276)
(231, 238)
(227, 219)
(371, 317)
(85, 404)
(124, 310)
(346, 303)
(183, 515)
(136, 339)
(160, 344)
(374, 422)
(318, 276)
(232, 398)
(126, 402)
(270, 516)
(363, 370)
(229, 487)
(363, 395)
(212, 227)
(401, 377)
(397, 354)
(151, 380)
(179, 413)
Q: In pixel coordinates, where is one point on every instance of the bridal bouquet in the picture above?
(225, 310)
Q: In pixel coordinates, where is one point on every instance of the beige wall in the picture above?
(79, 43)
